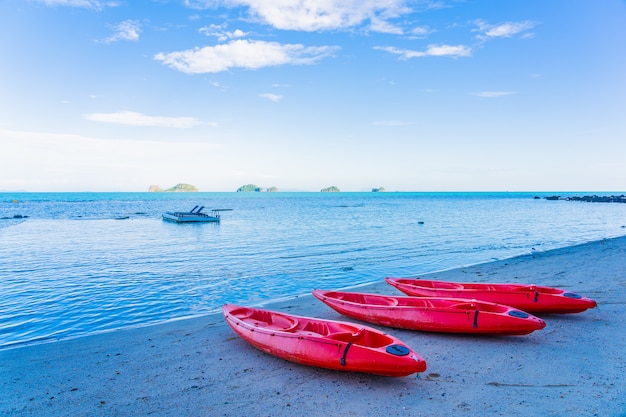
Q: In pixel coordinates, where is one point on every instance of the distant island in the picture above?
(331, 189)
(249, 188)
(254, 188)
(178, 188)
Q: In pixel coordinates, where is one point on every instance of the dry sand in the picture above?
(198, 367)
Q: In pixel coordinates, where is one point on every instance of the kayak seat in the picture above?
(347, 336)
(316, 327)
(282, 323)
(243, 313)
(370, 339)
(342, 337)
(270, 320)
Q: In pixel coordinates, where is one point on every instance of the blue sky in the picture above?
(425, 95)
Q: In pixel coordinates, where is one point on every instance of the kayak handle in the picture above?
(345, 352)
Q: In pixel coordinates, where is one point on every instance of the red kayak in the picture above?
(530, 298)
(327, 344)
(450, 315)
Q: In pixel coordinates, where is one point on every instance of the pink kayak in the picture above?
(449, 315)
(529, 298)
(327, 344)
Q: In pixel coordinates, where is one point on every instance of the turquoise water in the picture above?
(81, 263)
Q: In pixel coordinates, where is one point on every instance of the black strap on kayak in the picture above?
(475, 319)
(536, 296)
(345, 352)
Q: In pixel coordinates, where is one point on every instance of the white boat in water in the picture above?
(195, 215)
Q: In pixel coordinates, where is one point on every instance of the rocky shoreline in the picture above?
(591, 198)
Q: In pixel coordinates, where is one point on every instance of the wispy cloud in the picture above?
(218, 85)
(432, 50)
(272, 97)
(503, 30)
(494, 94)
(127, 30)
(220, 32)
(137, 119)
(243, 53)
(87, 4)
(383, 26)
(420, 32)
(57, 161)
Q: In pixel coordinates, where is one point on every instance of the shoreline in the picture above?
(268, 303)
(198, 366)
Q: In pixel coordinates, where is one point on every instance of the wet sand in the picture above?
(199, 367)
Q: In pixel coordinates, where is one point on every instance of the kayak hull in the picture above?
(447, 315)
(326, 344)
(529, 298)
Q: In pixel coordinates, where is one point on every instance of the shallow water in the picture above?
(81, 263)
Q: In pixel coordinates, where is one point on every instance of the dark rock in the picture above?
(593, 198)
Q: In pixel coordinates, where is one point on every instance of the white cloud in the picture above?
(432, 50)
(137, 119)
(504, 30)
(273, 97)
(448, 50)
(243, 54)
(494, 94)
(127, 30)
(314, 15)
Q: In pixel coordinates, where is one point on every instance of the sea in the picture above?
(76, 264)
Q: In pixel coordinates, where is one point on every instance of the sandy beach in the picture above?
(199, 367)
